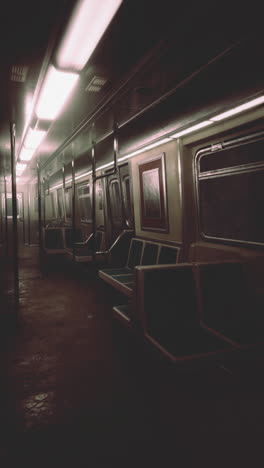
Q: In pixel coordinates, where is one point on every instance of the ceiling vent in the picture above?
(96, 84)
(19, 73)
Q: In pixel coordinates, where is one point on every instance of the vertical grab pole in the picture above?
(39, 217)
(73, 206)
(14, 209)
(44, 202)
(28, 199)
(93, 196)
(6, 226)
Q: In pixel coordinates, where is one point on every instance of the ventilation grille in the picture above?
(96, 84)
(19, 73)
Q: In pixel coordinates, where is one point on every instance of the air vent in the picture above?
(19, 73)
(96, 84)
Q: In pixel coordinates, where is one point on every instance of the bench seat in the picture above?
(167, 306)
(140, 253)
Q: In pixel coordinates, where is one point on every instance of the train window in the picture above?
(84, 202)
(230, 157)
(50, 206)
(9, 206)
(231, 200)
(68, 203)
(115, 200)
(60, 203)
(126, 193)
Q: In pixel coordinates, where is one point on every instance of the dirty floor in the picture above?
(78, 391)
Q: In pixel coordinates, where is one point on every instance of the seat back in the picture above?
(53, 239)
(135, 253)
(150, 253)
(120, 248)
(167, 299)
(78, 236)
(168, 255)
(224, 293)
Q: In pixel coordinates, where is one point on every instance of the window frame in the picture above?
(78, 196)
(225, 172)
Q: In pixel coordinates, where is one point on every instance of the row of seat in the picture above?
(189, 311)
(56, 240)
(140, 253)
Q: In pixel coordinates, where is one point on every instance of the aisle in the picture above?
(77, 391)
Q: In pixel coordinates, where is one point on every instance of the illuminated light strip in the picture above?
(145, 148)
(238, 109)
(89, 21)
(55, 91)
(203, 124)
(224, 115)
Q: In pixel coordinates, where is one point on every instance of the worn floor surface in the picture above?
(76, 390)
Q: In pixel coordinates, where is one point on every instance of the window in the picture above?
(68, 203)
(115, 200)
(84, 203)
(49, 205)
(60, 203)
(9, 206)
(230, 192)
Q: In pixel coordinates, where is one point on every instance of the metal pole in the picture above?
(14, 209)
(44, 202)
(28, 215)
(6, 225)
(39, 216)
(93, 194)
(73, 207)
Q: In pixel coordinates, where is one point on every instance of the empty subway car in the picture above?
(157, 185)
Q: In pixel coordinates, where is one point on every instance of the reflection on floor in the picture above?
(78, 391)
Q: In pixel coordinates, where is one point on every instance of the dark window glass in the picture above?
(60, 203)
(231, 207)
(68, 203)
(84, 203)
(231, 203)
(10, 207)
(115, 200)
(127, 197)
(229, 157)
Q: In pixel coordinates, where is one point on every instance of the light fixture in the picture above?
(55, 91)
(34, 138)
(238, 109)
(20, 167)
(89, 21)
(26, 154)
(203, 124)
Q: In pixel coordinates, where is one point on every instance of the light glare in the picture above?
(56, 89)
(192, 129)
(89, 22)
(34, 138)
(238, 109)
(26, 154)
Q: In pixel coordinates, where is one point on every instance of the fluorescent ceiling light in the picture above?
(55, 91)
(34, 138)
(238, 109)
(89, 21)
(145, 148)
(20, 167)
(26, 154)
(192, 129)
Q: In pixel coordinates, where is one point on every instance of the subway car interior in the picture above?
(131, 233)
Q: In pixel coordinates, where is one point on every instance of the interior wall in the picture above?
(174, 203)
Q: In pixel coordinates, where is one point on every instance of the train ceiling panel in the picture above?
(149, 48)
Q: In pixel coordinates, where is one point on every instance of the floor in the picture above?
(78, 391)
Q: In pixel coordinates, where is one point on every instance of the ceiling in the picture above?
(27, 29)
